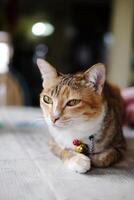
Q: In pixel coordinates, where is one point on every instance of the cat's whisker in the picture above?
(39, 119)
(37, 122)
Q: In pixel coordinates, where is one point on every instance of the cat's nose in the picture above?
(54, 119)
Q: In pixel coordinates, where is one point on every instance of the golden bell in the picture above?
(82, 148)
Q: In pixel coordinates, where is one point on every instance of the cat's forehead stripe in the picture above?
(66, 80)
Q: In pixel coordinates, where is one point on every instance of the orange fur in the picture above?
(95, 96)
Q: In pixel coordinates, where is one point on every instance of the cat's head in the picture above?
(69, 99)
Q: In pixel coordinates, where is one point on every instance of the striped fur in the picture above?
(99, 113)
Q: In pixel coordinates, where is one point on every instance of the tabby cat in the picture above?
(84, 108)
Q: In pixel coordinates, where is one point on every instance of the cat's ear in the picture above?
(47, 71)
(95, 76)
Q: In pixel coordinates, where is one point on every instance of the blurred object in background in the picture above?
(42, 29)
(128, 97)
(10, 91)
(40, 52)
(5, 51)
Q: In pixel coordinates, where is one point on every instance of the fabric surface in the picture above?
(29, 171)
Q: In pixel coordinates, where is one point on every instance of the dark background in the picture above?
(79, 39)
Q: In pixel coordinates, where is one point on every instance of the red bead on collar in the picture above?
(76, 142)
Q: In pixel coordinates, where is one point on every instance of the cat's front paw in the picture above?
(79, 163)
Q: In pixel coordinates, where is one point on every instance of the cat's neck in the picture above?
(81, 131)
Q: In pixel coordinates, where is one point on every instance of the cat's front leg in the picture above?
(106, 158)
(74, 161)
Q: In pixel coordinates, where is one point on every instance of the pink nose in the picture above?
(54, 119)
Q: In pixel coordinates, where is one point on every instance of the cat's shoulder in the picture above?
(112, 94)
(111, 89)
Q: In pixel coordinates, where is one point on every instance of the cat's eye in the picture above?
(73, 102)
(47, 99)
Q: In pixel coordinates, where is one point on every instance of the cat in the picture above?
(82, 107)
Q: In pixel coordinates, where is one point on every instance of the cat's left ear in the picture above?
(95, 76)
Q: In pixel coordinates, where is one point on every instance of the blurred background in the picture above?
(72, 35)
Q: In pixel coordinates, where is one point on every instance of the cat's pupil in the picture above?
(47, 99)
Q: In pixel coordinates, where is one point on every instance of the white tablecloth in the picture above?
(29, 171)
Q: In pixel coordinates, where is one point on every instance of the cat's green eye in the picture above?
(73, 102)
(47, 99)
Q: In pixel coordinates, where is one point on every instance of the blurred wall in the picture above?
(120, 52)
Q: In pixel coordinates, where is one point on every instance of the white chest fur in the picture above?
(80, 130)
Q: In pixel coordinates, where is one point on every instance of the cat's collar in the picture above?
(83, 148)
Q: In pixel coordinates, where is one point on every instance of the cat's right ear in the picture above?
(95, 76)
(47, 71)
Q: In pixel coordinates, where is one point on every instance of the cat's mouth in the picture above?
(58, 123)
(61, 124)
